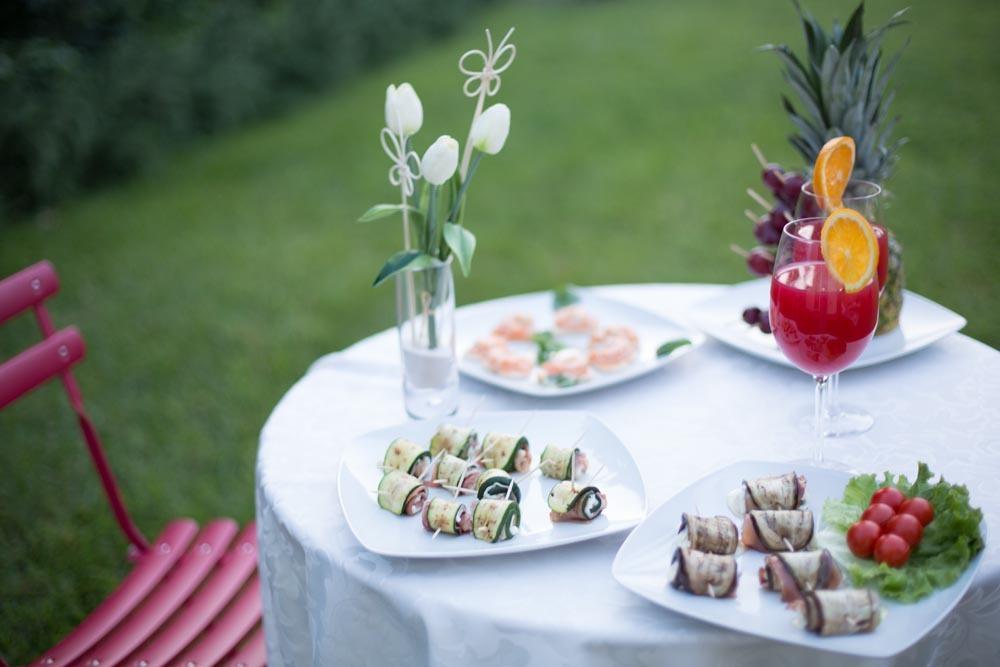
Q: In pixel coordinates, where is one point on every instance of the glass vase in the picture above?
(425, 320)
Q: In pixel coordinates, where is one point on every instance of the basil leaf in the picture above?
(670, 346)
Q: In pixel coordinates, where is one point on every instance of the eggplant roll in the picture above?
(782, 492)
(458, 441)
(448, 516)
(507, 452)
(406, 456)
(844, 612)
(493, 483)
(794, 574)
(495, 520)
(401, 493)
(453, 471)
(572, 503)
(711, 534)
(778, 530)
(699, 573)
(558, 462)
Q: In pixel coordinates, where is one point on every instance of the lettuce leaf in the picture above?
(950, 541)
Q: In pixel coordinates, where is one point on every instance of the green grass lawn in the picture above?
(205, 289)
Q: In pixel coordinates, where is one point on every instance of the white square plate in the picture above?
(385, 533)
(921, 323)
(642, 563)
(478, 320)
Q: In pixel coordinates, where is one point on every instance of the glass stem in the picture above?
(833, 397)
(822, 409)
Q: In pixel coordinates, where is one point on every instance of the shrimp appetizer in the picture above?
(778, 530)
(842, 612)
(495, 520)
(481, 348)
(795, 574)
(460, 441)
(783, 492)
(566, 367)
(401, 494)
(574, 319)
(559, 462)
(448, 516)
(701, 573)
(494, 483)
(569, 503)
(714, 535)
(507, 452)
(613, 347)
(454, 472)
(508, 363)
(406, 456)
(516, 327)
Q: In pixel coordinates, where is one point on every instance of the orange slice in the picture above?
(850, 248)
(832, 171)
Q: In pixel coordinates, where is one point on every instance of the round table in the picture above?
(328, 601)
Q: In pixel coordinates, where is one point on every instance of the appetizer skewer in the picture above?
(701, 573)
(459, 441)
(449, 516)
(781, 492)
(509, 452)
(401, 493)
(496, 483)
(714, 535)
(453, 471)
(569, 503)
(495, 520)
(778, 530)
(406, 456)
(842, 612)
(795, 574)
(563, 463)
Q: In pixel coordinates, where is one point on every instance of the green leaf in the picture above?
(404, 259)
(379, 211)
(462, 242)
(548, 345)
(564, 295)
(671, 345)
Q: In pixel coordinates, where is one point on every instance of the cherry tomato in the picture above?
(892, 550)
(861, 538)
(879, 513)
(920, 508)
(906, 526)
(889, 496)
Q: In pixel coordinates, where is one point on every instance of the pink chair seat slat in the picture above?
(225, 582)
(253, 653)
(26, 288)
(225, 632)
(206, 551)
(40, 362)
(149, 569)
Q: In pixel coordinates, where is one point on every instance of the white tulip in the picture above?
(403, 111)
(440, 160)
(490, 130)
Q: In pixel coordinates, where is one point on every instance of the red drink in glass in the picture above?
(819, 326)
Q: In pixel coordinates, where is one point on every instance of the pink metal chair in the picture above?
(192, 597)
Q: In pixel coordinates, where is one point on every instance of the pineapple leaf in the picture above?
(854, 27)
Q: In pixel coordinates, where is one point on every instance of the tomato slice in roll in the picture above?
(574, 503)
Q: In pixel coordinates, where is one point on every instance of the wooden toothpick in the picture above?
(757, 198)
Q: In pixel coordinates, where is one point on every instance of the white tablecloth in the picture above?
(328, 601)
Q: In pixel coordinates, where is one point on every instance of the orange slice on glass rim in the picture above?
(832, 171)
(850, 248)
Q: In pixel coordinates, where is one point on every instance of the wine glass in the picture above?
(820, 326)
(866, 198)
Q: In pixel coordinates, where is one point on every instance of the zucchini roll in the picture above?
(711, 534)
(558, 462)
(448, 516)
(406, 456)
(794, 574)
(458, 441)
(493, 483)
(571, 503)
(699, 573)
(495, 520)
(844, 612)
(453, 471)
(401, 493)
(778, 530)
(782, 492)
(509, 452)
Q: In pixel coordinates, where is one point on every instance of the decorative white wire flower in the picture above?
(406, 166)
(494, 64)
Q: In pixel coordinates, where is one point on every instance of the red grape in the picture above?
(760, 262)
(765, 232)
(791, 190)
(774, 178)
(764, 323)
(751, 315)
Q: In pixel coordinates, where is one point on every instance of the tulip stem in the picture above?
(407, 244)
(430, 229)
(466, 167)
(457, 204)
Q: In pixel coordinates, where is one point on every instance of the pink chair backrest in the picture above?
(39, 363)
(27, 288)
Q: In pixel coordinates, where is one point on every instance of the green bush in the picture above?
(93, 91)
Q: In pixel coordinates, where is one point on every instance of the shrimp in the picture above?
(613, 347)
(569, 363)
(505, 362)
(485, 345)
(574, 319)
(615, 331)
(516, 327)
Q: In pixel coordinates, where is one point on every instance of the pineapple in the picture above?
(841, 88)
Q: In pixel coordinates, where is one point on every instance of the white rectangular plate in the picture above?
(478, 320)
(642, 562)
(921, 323)
(385, 533)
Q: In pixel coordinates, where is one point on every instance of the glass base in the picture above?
(826, 463)
(848, 421)
(423, 403)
